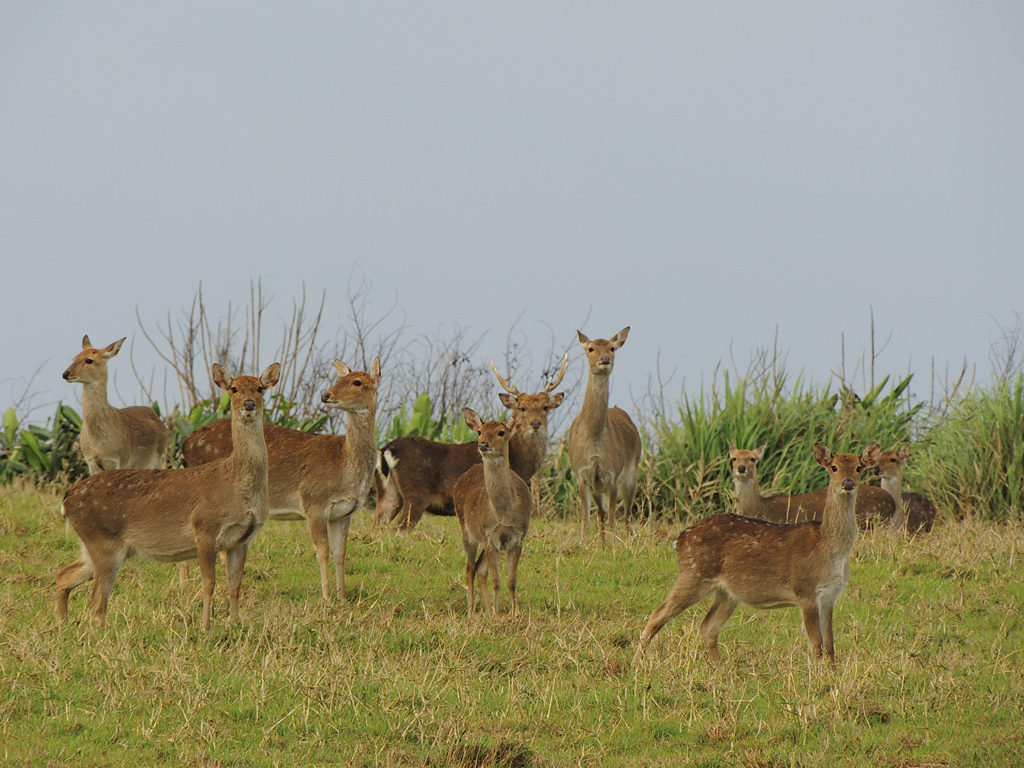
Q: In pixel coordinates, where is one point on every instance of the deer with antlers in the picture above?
(176, 514)
(915, 512)
(322, 479)
(113, 438)
(493, 506)
(874, 505)
(604, 443)
(415, 475)
(738, 559)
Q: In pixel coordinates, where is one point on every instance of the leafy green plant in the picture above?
(46, 454)
(420, 422)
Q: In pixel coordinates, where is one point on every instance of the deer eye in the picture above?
(835, 468)
(357, 383)
(88, 361)
(859, 469)
(501, 433)
(260, 390)
(234, 390)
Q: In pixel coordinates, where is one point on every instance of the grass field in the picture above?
(928, 634)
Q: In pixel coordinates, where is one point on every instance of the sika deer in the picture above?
(322, 479)
(768, 565)
(113, 438)
(604, 443)
(493, 506)
(415, 475)
(175, 514)
(914, 510)
(873, 504)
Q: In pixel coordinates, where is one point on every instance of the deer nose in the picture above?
(606, 359)
(325, 397)
(483, 446)
(67, 374)
(535, 424)
(741, 468)
(249, 405)
(848, 484)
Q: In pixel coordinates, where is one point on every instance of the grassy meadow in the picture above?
(928, 636)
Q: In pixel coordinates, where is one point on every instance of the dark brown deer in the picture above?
(322, 479)
(738, 559)
(604, 443)
(175, 514)
(415, 475)
(916, 512)
(874, 505)
(493, 505)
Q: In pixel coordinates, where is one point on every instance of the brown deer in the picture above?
(322, 479)
(493, 505)
(415, 475)
(604, 443)
(740, 559)
(175, 514)
(873, 504)
(113, 438)
(916, 511)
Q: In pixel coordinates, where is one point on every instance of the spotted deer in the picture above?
(322, 479)
(415, 475)
(493, 506)
(915, 512)
(873, 504)
(739, 559)
(175, 514)
(113, 438)
(604, 443)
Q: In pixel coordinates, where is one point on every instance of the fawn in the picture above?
(175, 514)
(493, 506)
(916, 511)
(740, 559)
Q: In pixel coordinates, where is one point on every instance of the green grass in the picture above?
(929, 642)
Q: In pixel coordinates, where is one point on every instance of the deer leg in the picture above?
(513, 570)
(235, 566)
(183, 574)
(482, 565)
(495, 568)
(471, 566)
(585, 501)
(68, 578)
(627, 492)
(685, 592)
(389, 502)
(338, 531)
(318, 530)
(812, 625)
(104, 573)
(719, 613)
(206, 550)
(826, 633)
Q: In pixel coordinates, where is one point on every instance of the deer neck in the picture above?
(894, 485)
(498, 479)
(839, 522)
(359, 451)
(526, 451)
(594, 411)
(748, 496)
(249, 462)
(96, 409)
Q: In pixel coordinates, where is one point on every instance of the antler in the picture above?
(506, 384)
(552, 384)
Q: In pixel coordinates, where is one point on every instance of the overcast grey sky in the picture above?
(708, 173)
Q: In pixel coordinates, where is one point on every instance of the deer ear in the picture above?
(112, 349)
(619, 338)
(582, 337)
(341, 369)
(86, 344)
(271, 375)
(732, 450)
(472, 420)
(375, 371)
(555, 400)
(759, 452)
(869, 456)
(822, 455)
(904, 452)
(507, 400)
(220, 377)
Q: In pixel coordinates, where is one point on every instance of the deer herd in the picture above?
(241, 472)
